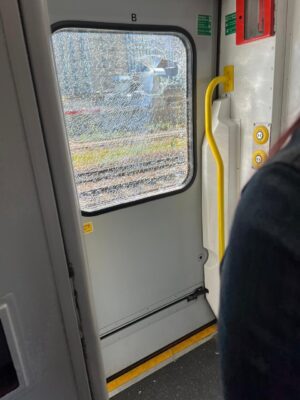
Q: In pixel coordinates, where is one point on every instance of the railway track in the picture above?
(129, 169)
(153, 137)
(127, 185)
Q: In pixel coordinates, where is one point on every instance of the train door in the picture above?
(132, 77)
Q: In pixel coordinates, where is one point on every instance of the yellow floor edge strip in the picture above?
(160, 358)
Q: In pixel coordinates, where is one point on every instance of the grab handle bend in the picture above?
(228, 82)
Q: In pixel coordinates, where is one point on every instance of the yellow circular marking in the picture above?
(259, 157)
(261, 134)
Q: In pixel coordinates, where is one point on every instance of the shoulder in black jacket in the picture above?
(259, 326)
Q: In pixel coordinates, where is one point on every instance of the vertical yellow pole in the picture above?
(228, 81)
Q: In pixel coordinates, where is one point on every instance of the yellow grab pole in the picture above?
(228, 81)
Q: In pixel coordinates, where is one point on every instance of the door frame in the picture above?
(64, 235)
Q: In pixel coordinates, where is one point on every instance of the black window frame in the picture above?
(155, 29)
(8, 372)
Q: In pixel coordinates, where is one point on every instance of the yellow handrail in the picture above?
(228, 81)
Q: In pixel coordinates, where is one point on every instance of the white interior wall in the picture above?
(267, 87)
(265, 73)
(252, 99)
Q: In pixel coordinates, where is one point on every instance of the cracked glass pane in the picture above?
(127, 102)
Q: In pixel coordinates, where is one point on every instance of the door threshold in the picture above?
(123, 380)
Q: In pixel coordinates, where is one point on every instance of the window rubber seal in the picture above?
(146, 28)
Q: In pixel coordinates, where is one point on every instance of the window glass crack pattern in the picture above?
(127, 102)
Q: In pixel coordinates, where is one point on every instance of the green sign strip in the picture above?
(230, 24)
(204, 25)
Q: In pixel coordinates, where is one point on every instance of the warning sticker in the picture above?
(88, 227)
(204, 25)
(230, 24)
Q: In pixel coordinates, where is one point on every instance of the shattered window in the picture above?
(127, 102)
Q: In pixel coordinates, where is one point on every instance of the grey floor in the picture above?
(194, 376)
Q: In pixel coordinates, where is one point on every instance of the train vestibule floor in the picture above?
(194, 376)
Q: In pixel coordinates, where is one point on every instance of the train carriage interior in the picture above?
(128, 131)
